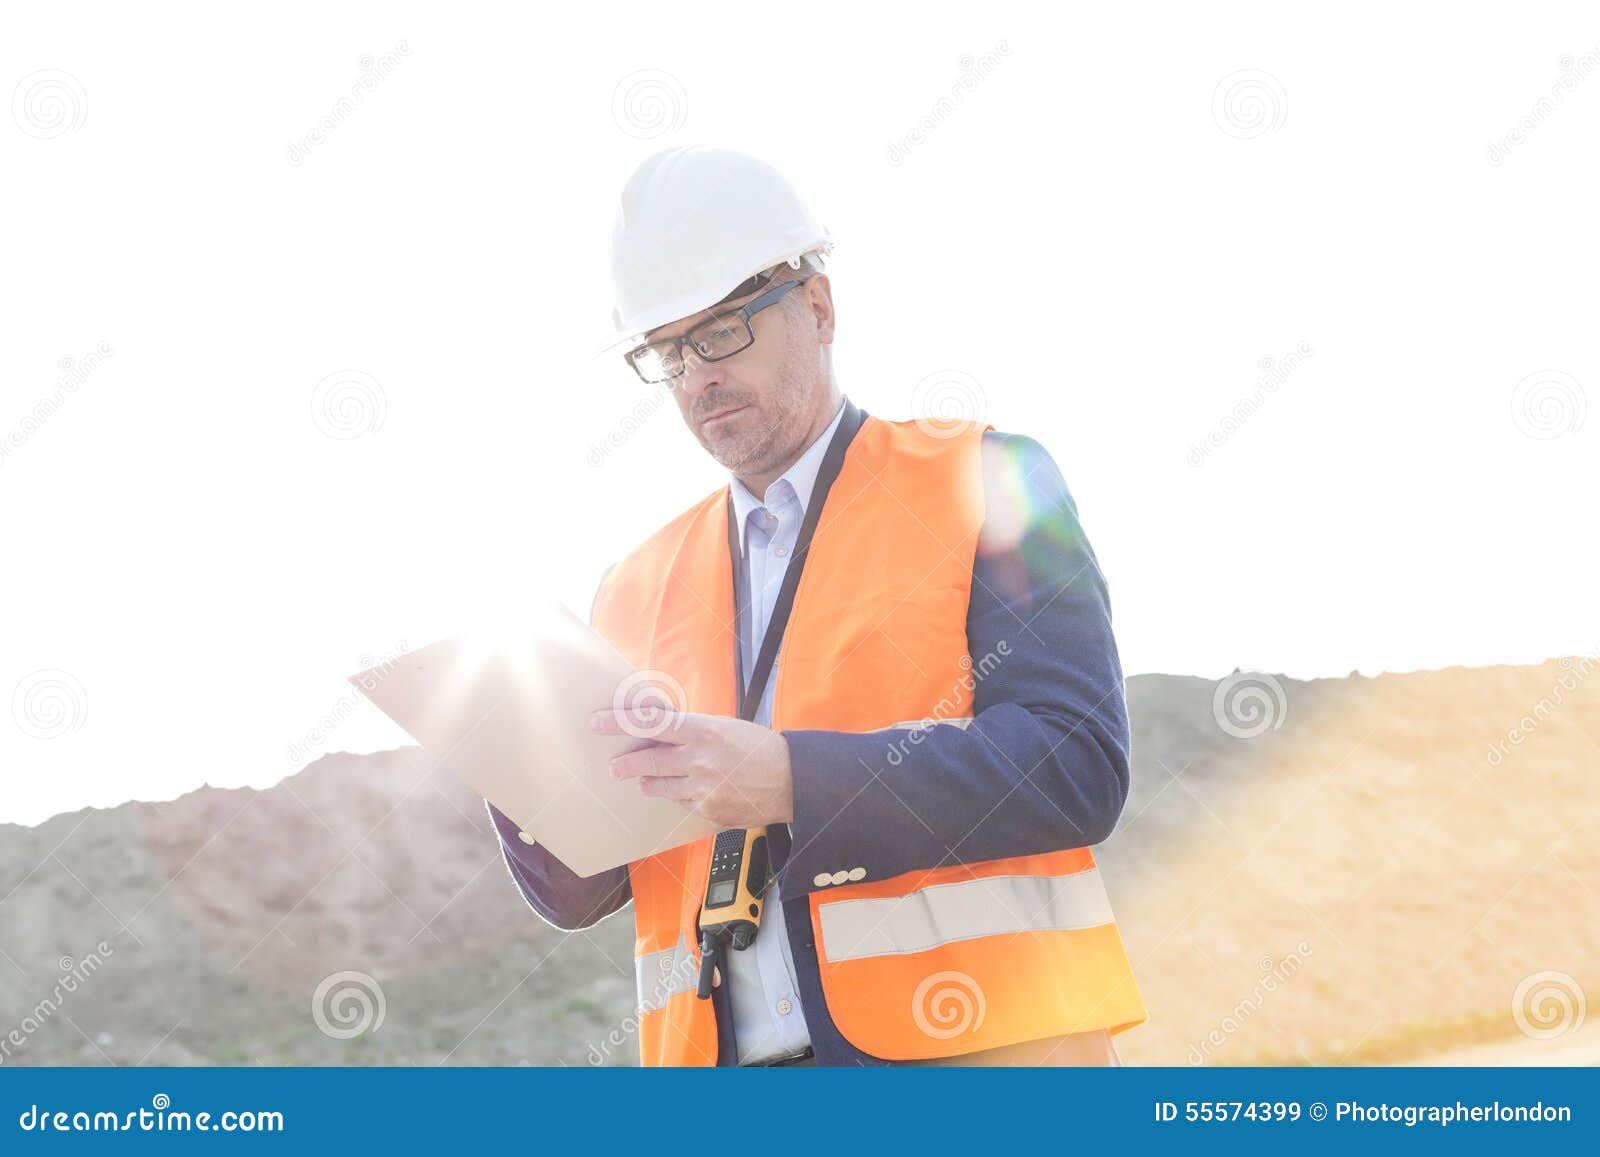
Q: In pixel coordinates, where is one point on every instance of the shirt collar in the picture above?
(802, 477)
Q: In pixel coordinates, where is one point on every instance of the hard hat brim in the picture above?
(655, 319)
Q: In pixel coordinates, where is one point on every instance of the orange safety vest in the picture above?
(932, 963)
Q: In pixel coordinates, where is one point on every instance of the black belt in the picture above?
(780, 1062)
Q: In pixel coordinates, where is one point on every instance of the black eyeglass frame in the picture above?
(744, 313)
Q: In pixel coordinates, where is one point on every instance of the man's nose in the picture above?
(699, 375)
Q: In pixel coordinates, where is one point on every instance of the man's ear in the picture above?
(819, 300)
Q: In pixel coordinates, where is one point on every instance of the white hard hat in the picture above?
(694, 224)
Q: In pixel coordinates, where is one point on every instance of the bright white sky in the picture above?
(1096, 238)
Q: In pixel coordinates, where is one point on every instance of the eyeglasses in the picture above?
(711, 341)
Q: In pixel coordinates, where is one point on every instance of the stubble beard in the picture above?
(759, 449)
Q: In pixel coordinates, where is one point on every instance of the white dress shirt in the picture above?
(768, 1021)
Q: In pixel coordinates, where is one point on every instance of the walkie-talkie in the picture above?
(734, 887)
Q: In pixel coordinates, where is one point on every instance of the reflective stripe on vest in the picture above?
(932, 963)
(658, 976)
(945, 913)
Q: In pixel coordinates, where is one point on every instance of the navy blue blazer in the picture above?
(1043, 765)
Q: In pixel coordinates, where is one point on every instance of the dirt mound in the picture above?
(226, 910)
(1339, 870)
(1393, 867)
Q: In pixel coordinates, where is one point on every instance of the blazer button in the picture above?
(525, 837)
(822, 879)
(840, 877)
(858, 874)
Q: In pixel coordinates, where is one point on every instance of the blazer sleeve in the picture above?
(553, 890)
(1044, 763)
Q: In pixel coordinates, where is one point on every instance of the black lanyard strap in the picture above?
(756, 685)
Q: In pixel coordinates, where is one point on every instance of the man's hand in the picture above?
(735, 774)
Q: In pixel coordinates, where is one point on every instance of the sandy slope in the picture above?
(1425, 883)
(1365, 856)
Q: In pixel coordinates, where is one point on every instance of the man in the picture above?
(941, 734)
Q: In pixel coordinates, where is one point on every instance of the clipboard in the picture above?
(511, 717)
